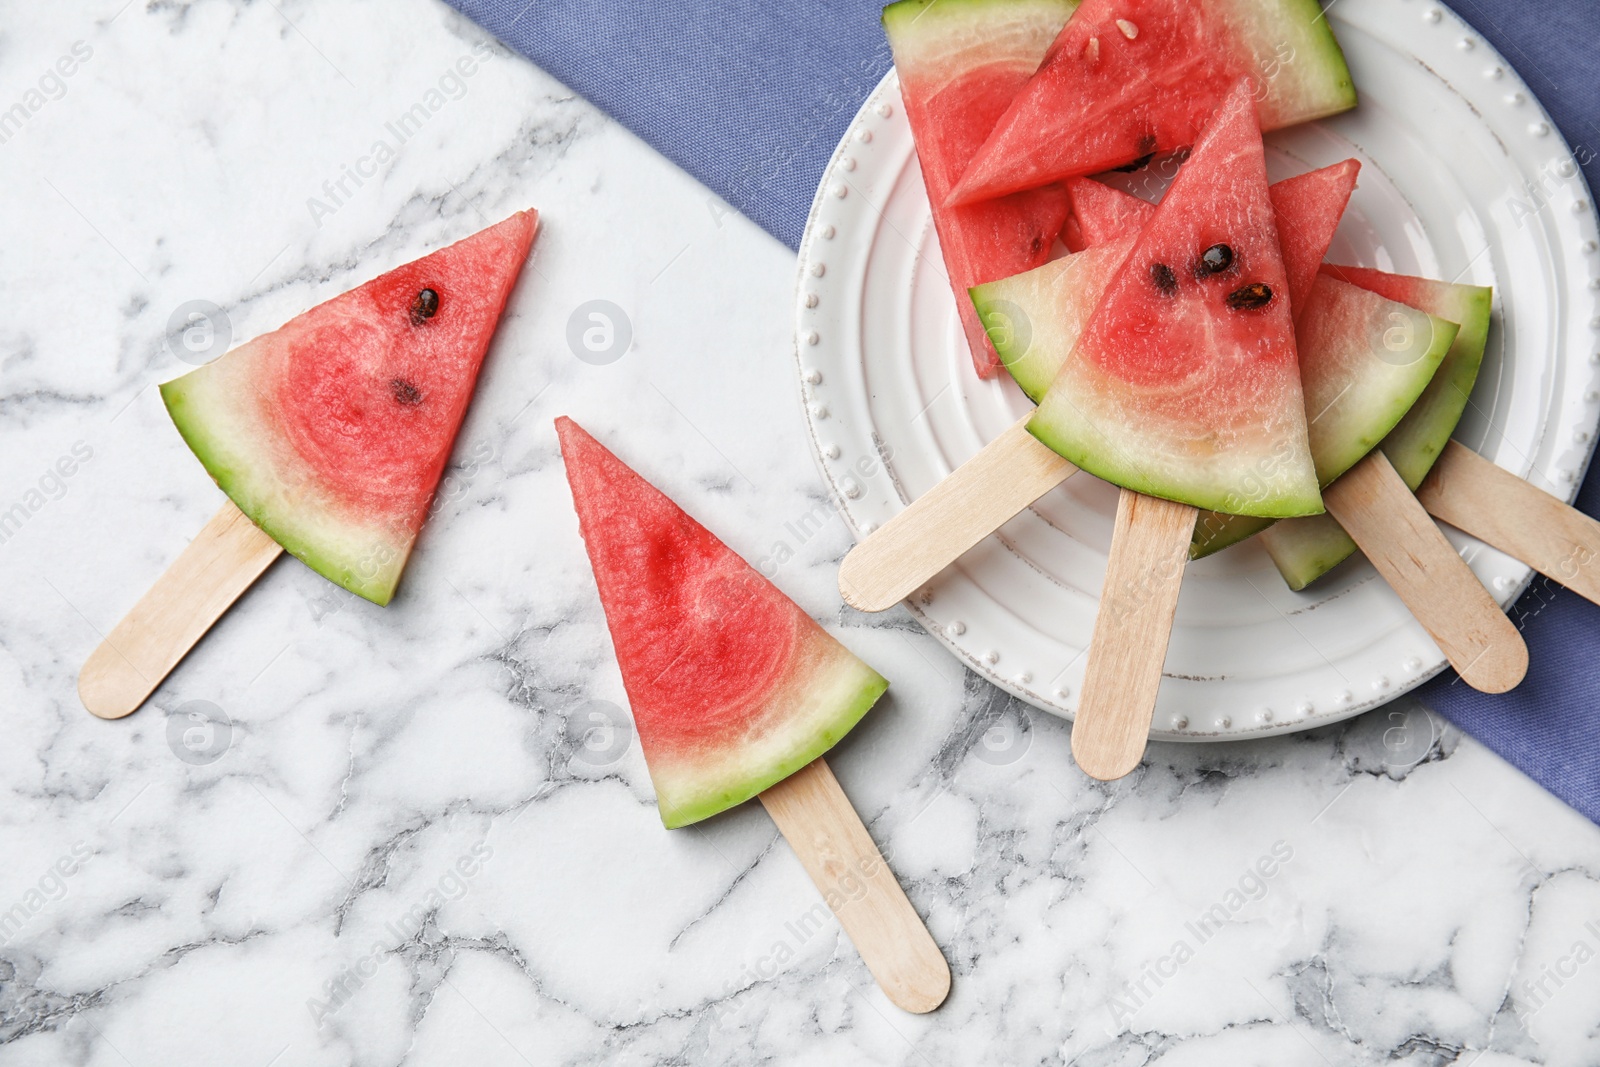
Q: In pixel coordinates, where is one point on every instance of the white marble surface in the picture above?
(1423, 914)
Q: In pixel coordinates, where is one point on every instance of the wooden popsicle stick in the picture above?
(824, 830)
(174, 613)
(972, 502)
(1382, 516)
(1517, 517)
(1149, 547)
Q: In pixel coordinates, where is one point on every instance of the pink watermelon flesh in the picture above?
(331, 432)
(1101, 214)
(1072, 235)
(1185, 384)
(733, 686)
(960, 62)
(1126, 79)
(1309, 207)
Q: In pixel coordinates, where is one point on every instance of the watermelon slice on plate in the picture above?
(1354, 393)
(1364, 363)
(1305, 549)
(1126, 79)
(1308, 208)
(1185, 383)
(1101, 214)
(1034, 319)
(960, 62)
(733, 686)
(331, 432)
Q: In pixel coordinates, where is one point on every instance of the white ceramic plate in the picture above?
(1463, 178)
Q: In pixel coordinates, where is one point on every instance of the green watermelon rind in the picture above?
(1216, 530)
(1033, 351)
(362, 559)
(1316, 67)
(921, 30)
(1074, 439)
(1357, 433)
(1296, 67)
(1305, 549)
(1366, 426)
(1416, 443)
(842, 691)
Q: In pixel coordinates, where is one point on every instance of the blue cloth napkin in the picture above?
(751, 98)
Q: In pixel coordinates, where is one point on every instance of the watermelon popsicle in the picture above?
(737, 693)
(1056, 300)
(1306, 549)
(329, 436)
(1354, 362)
(1184, 389)
(1337, 336)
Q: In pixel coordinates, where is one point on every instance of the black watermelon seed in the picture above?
(1214, 260)
(1249, 297)
(425, 306)
(404, 392)
(1147, 152)
(1162, 277)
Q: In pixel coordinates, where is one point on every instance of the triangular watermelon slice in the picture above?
(1035, 318)
(733, 686)
(1129, 78)
(1305, 549)
(960, 62)
(1307, 207)
(1185, 383)
(1353, 393)
(331, 432)
(1101, 214)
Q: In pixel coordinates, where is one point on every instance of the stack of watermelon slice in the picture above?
(1108, 349)
(1007, 98)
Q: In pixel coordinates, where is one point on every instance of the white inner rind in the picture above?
(827, 693)
(220, 413)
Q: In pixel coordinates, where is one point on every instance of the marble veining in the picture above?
(425, 835)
